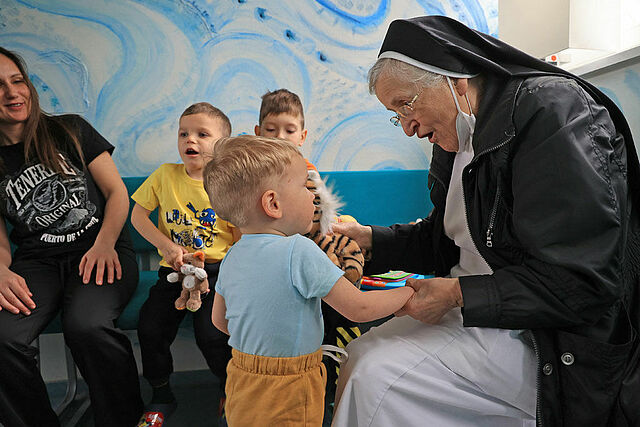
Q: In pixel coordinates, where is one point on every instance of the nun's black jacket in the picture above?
(549, 207)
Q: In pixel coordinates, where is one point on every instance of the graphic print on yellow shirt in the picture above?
(185, 214)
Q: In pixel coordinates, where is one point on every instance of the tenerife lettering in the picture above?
(20, 187)
(56, 205)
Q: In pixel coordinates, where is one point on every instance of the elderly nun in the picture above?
(532, 314)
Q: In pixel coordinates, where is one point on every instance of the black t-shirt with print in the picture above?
(52, 214)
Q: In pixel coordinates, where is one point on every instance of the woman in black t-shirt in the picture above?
(66, 203)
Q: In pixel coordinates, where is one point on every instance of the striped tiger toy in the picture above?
(346, 254)
(342, 250)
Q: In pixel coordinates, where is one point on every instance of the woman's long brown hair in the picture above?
(37, 138)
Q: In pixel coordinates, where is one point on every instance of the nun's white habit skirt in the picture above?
(406, 373)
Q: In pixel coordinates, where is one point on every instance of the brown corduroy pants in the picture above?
(275, 391)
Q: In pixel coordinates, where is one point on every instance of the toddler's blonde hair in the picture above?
(242, 168)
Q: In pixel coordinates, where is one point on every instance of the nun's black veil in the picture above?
(447, 44)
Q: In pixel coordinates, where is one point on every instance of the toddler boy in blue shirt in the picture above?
(272, 281)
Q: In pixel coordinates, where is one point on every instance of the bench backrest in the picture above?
(372, 197)
(382, 197)
(144, 250)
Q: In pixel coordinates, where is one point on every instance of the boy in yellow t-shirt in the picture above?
(186, 223)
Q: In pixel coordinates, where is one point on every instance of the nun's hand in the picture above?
(433, 299)
(360, 233)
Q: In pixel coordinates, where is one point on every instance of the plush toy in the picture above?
(346, 254)
(342, 250)
(194, 281)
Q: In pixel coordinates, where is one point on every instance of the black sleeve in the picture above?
(405, 247)
(93, 144)
(569, 197)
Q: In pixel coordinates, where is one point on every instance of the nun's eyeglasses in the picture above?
(404, 111)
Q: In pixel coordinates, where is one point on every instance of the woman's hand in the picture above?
(101, 256)
(360, 233)
(433, 299)
(172, 254)
(15, 295)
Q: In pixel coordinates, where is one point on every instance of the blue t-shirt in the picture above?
(272, 286)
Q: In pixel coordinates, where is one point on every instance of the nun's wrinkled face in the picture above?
(433, 114)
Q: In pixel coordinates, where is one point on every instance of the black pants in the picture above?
(101, 351)
(158, 327)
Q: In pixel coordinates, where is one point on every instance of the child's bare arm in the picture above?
(171, 251)
(360, 306)
(219, 312)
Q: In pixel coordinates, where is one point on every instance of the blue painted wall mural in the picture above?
(132, 66)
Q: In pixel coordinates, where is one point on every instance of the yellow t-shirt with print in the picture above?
(185, 214)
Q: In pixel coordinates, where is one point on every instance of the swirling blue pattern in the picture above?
(132, 67)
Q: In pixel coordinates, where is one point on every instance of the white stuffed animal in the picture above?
(194, 281)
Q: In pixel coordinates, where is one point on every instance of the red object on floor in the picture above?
(151, 419)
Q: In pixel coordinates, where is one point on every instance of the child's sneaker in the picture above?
(151, 419)
(156, 413)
